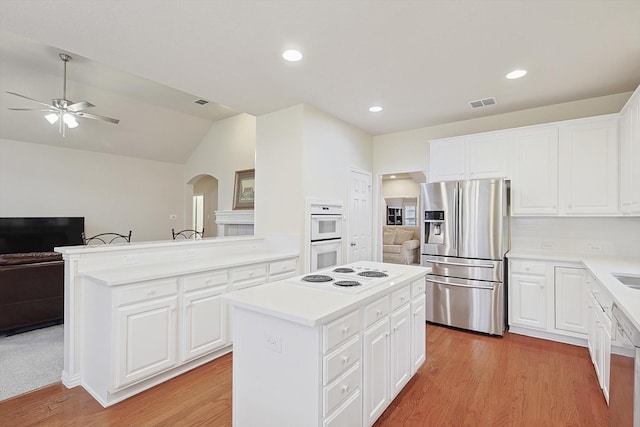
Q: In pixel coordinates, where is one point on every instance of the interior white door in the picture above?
(359, 216)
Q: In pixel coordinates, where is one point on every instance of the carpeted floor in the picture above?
(30, 360)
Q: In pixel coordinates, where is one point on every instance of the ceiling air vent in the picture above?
(201, 102)
(482, 102)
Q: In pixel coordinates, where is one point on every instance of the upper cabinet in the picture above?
(588, 174)
(468, 157)
(629, 169)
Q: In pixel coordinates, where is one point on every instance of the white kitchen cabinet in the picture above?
(598, 305)
(528, 294)
(588, 180)
(629, 137)
(144, 332)
(534, 186)
(280, 270)
(376, 370)
(204, 318)
(570, 303)
(468, 157)
(418, 325)
(400, 348)
(447, 159)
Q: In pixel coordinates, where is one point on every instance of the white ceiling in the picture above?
(423, 61)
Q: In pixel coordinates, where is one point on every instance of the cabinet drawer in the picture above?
(340, 330)
(127, 294)
(399, 297)
(342, 388)
(205, 280)
(249, 276)
(335, 363)
(347, 414)
(279, 267)
(528, 267)
(376, 310)
(418, 287)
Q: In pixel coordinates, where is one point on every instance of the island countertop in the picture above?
(289, 300)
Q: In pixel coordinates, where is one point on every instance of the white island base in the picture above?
(310, 357)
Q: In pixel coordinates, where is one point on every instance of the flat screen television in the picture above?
(19, 235)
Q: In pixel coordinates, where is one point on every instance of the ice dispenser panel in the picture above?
(434, 227)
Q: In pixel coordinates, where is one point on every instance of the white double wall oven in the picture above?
(326, 234)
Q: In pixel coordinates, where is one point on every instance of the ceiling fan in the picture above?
(62, 110)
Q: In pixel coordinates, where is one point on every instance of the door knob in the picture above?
(353, 244)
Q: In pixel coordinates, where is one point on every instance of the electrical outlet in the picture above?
(131, 259)
(594, 247)
(273, 343)
(548, 246)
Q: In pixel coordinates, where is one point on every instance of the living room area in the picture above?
(400, 217)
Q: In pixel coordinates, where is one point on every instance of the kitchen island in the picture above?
(315, 354)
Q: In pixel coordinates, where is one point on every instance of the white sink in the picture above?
(632, 282)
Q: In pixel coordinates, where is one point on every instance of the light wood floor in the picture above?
(467, 380)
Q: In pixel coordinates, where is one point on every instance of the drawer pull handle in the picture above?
(395, 329)
(345, 330)
(250, 273)
(345, 388)
(401, 299)
(152, 292)
(378, 313)
(345, 359)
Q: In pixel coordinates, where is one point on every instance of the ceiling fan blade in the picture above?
(95, 116)
(79, 106)
(33, 109)
(30, 99)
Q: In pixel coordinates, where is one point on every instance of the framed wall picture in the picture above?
(244, 191)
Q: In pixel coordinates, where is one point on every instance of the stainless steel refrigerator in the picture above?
(465, 236)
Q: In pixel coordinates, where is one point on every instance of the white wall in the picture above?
(113, 193)
(400, 187)
(228, 146)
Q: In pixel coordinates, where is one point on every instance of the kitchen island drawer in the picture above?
(340, 330)
(341, 388)
(418, 287)
(400, 297)
(205, 280)
(375, 311)
(337, 362)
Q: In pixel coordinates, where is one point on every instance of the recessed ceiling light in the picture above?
(375, 109)
(292, 55)
(392, 177)
(516, 74)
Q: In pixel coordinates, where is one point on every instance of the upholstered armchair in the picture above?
(401, 244)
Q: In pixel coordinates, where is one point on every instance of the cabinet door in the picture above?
(487, 156)
(570, 299)
(418, 333)
(400, 349)
(376, 370)
(629, 134)
(447, 160)
(203, 322)
(528, 301)
(534, 184)
(589, 173)
(145, 339)
(591, 325)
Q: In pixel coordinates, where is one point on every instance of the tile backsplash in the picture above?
(618, 236)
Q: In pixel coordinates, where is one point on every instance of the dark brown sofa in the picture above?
(31, 290)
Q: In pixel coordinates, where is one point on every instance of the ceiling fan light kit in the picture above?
(62, 110)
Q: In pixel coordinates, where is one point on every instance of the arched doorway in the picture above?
(203, 204)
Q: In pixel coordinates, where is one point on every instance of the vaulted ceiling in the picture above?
(145, 61)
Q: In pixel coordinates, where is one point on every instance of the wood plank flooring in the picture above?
(467, 380)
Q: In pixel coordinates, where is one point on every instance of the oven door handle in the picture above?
(460, 264)
(462, 285)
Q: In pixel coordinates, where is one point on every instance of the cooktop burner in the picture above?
(347, 283)
(317, 278)
(371, 273)
(343, 270)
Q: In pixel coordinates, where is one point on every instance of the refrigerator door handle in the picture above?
(461, 285)
(456, 216)
(459, 264)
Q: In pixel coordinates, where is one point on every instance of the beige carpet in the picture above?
(30, 360)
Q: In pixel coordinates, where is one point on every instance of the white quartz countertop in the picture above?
(309, 306)
(602, 268)
(138, 273)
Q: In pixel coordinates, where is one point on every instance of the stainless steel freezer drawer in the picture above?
(465, 268)
(468, 304)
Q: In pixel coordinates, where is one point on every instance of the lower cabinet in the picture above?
(599, 333)
(144, 332)
(547, 299)
(418, 329)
